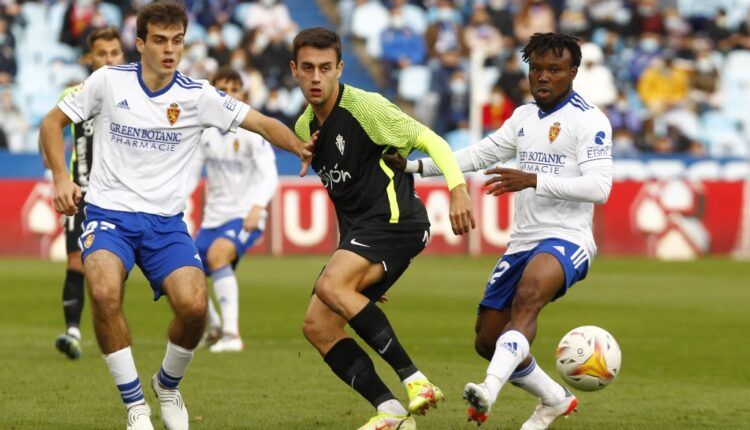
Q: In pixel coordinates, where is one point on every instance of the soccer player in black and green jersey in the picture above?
(104, 49)
(382, 224)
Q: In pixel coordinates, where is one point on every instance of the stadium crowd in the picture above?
(669, 74)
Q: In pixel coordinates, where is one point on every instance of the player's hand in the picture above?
(508, 180)
(383, 299)
(462, 218)
(306, 154)
(252, 220)
(66, 196)
(395, 160)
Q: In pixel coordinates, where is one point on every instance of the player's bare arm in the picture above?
(508, 180)
(66, 193)
(280, 136)
(253, 217)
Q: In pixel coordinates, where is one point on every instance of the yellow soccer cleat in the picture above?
(422, 396)
(384, 421)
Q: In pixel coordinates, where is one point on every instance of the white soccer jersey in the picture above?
(144, 142)
(570, 150)
(241, 173)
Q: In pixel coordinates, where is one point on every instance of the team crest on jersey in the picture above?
(340, 143)
(173, 112)
(236, 146)
(88, 241)
(554, 131)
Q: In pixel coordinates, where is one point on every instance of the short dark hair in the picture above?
(317, 37)
(167, 13)
(540, 43)
(226, 73)
(106, 33)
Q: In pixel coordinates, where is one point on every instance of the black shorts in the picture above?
(393, 248)
(74, 228)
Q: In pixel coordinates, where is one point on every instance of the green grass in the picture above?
(683, 329)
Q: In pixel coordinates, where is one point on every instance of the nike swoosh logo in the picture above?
(70, 302)
(354, 242)
(385, 348)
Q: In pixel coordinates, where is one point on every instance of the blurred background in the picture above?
(672, 76)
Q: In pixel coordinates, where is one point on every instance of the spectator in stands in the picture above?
(663, 84)
(273, 61)
(216, 47)
(13, 124)
(595, 81)
(497, 109)
(501, 15)
(369, 19)
(534, 16)
(647, 17)
(513, 81)
(704, 80)
(481, 35)
(8, 67)
(270, 19)
(574, 19)
(81, 17)
(402, 47)
(415, 16)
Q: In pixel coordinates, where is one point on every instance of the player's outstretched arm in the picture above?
(281, 136)
(67, 193)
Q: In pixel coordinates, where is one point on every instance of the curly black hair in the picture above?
(540, 43)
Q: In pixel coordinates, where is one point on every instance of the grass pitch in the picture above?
(683, 329)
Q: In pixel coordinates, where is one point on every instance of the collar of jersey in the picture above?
(145, 88)
(559, 106)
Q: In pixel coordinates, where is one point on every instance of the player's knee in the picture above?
(216, 259)
(484, 345)
(326, 289)
(105, 299)
(312, 330)
(194, 312)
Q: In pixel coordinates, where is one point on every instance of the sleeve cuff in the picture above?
(70, 112)
(241, 114)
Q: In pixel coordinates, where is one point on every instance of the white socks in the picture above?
(214, 320)
(536, 382)
(176, 361)
(413, 377)
(227, 292)
(122, 368)
(74, 332)
(393, 407)
(511, 349)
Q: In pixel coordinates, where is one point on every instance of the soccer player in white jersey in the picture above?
(148, 119)
(564, 151)
(242, 179)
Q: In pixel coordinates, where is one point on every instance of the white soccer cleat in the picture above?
(139, 417)
(544, 415)
(478, 397)
(173, 410)
(228, 344)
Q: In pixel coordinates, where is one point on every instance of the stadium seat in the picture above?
(232, 35)
(111, 13)
(414, 82)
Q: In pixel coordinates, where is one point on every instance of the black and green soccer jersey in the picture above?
(363, 188)
(83, 141)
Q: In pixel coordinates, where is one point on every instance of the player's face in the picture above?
(317, 72)
(162, 50)
(550, 77)
(232, 88)
(106, 53)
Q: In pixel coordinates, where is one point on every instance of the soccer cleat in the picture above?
(385, 421)
(422, 396)
(211, 336)
(173, 410)
(139, 417)
(69, 346)
(228, 344)
(544, 415)
(479, 402)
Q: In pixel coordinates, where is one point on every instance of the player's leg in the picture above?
(220, 256)
(105, 276)
(185, 288)
(203, 241)
(73, 290)
(324, 329)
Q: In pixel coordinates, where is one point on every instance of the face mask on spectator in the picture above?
(649, 44)
(398, 22)
(213, 39)
(445, 14)
(459, 86)
(238, 64)
(268, 3)
(703, 65)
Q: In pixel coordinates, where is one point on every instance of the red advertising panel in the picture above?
(436, 199)
(304, 221)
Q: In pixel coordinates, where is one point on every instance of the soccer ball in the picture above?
(588, 358)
